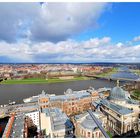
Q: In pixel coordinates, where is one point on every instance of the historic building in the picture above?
(72, 102)
(122, 97)
(123, 113)
(119, 119)
(85, 127)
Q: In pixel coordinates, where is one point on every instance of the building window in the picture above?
(88, 134)
(96, 134)
(93, 135)
(100, 135)
(128, 128)
(85, 134)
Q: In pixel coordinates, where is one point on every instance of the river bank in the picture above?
(41, 81)
(136, 71)
(136, 94)
(108, 74)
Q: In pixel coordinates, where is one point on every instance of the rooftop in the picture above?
(103, 89)
(28, 108)
(69, 94)
(86, 120)
(96, 103)
(117, 93)
(35, 99)
(59, 120)
(18, 126)
(88, 123)
(120, 109)
(131, 101)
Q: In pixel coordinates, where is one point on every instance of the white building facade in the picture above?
(34, 119)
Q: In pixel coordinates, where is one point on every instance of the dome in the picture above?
(69, 91)
(88, 123)
(117, 93)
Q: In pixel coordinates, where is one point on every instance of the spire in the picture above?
(118, 83)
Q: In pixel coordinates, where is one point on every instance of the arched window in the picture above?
(85, 134)
(89, 134)
(128, 127)
(93, 135)
(100, 134)
(96, 134)
(111, 123)
(82, 132)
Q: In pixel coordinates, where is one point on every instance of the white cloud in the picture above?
(119, 45)
(136, 39)
(92, 50)
(52, 22)
(52, 26)
(17, 52)
(58, 22)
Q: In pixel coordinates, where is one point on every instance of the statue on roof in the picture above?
(118, 83)
(43, 92)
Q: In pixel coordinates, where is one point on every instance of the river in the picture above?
(19, 92)
(124, 72)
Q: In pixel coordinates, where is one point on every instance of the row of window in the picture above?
(44, 101)
(73, 109)
(91, 134)
(85, 99)
(33, 114)
(44, 106)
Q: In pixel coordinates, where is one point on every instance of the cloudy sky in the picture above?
(69, 32)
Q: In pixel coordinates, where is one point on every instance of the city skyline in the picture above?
(69, 32)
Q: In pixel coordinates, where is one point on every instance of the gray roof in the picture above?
(100, 90)
(59, 120)
(28, 108)
(35, 99)
(70, 95)
(120, 109)
(97, 102)
(117, 93)
(131, 101)
(18, 126)
(88, 123)
(86, 120)
(80, 116)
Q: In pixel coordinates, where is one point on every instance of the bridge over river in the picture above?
(122, 74)
(113, 78)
